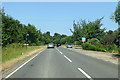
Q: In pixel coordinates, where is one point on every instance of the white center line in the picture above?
(64, 56)
(59, 51)
(85, 74)
(23, 65)
(67, 58)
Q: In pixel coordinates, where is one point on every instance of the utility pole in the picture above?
(26, 40)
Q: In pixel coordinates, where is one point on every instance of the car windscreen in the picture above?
(50, 44)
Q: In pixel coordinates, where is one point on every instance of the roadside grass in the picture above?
(0, 58)
(43, 46)
(9, 53)
(77, 46)
(63, 46)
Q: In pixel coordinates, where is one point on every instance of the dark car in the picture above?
(69, 45)
(50, 45)
(58, 45)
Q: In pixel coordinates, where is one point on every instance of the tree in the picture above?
(56, 38)
(48, 33)
(116, 18)
(15, 32)
(109, 39)
(93, 41)
(116, 14)
(63, 40)
(63, 35)
(87, 29)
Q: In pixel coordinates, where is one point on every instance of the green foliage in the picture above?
(88, 46)
(93, 41)
(33, 44)
(69, 39)
(119, 50)
(15, 32)
(47, 38)
(59, 39)
(109, 38)
(62, 41)
(87, 29)
(116, 14)
(77, 42)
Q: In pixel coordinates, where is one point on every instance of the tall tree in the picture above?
(15, 32)
(87, 29)
(116, 17)
(116, 14)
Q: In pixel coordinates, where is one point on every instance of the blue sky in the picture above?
(58, 16)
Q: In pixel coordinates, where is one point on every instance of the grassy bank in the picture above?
(9, 53)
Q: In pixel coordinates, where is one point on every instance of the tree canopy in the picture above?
(116, 14)
(87, 29)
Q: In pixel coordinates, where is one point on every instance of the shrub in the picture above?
(88, 46)
(77, 42)
(119, 50)
(93, 41)
(33, 44)
(62, 41)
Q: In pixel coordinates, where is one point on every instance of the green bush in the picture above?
(33, 44)
(77, 42)
(62, 41)
(93, 41)
(88, 46)
(119, 50)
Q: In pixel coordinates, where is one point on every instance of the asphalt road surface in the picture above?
(64, 63)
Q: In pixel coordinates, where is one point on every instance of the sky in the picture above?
(60, 0)
(57, 17)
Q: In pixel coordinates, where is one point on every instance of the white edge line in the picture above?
(85, 73)
(67, 58)
(23, 65)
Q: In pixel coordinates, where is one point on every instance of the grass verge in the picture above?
(10, 56)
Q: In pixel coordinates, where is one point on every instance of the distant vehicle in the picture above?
(58, 45)
(69, 45)
(50, 45)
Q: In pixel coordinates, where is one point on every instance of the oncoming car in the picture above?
(50, 45)
(69, 45)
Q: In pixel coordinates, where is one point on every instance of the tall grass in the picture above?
(9, 53)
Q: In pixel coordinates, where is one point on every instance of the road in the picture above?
(64, 63)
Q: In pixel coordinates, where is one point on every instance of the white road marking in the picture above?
(23, 65)
(64, 56)
(59, 51)
(85, 74)
(67, 58)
